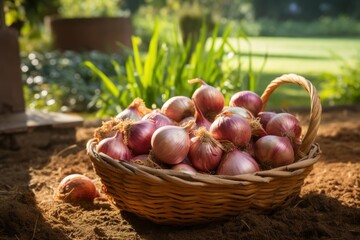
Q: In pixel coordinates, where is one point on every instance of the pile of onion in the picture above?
(201, 134)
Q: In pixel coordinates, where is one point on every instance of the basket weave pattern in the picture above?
(172, 197)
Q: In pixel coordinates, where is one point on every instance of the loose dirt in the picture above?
(328, 206)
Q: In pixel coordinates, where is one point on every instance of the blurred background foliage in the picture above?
(63, 77)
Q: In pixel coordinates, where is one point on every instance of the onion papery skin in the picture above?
(240, 111)
(135, 111)
(200, 120)
(255, 125)
(233, 128)
(170, 144)
(137, 136)
(209, 99)
(186, 121)
(76, 188)
(158, 118)
(141, 157)
(248, 100)
(265, 117)
(285, 125)
(237, 162)
(179, 107)
(183, 167)
(205, 152)
(115, 147)
(274, 151)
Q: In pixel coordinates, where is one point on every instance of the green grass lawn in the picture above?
(309, 57)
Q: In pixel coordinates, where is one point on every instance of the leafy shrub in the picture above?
(343, 88)
(57, 81)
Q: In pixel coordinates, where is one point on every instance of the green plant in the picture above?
(89, 8)
(164, 70)
(343, 88)
(57, 81)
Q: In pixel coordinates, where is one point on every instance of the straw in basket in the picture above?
(171, 197)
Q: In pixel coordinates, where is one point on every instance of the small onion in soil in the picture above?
(76, 188)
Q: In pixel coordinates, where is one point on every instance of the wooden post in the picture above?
(11, 91)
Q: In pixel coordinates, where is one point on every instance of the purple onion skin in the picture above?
(210, 100)
(265, 117)
(183, 167)
(233, 128)
(285, 124)
(115, 147)
(139, 136)
(236, 163)
(248, 100)
(170, 144)
(177, 108)
(274, 151)
(241, 111)
(159, 119)
(204, 156)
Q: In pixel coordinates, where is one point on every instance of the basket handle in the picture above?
(315, 106)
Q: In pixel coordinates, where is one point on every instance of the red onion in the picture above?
(183, 167)
(237, 162)
(240, 111)
(205, 152)
(76, 188)
(135, 111)
(178, 108)
(274, 151)
(210, 100)
(265, 118)
(137, 136)
(170, 144)
(114, 147)
(186, 120)
(285, 125)
(248, 100)
(233, 128)
(250, 148)
(201, 121)
(158, 118)
(255, 125)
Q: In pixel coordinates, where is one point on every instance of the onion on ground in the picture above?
(76, 188)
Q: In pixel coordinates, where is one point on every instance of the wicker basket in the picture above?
(171, 197)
